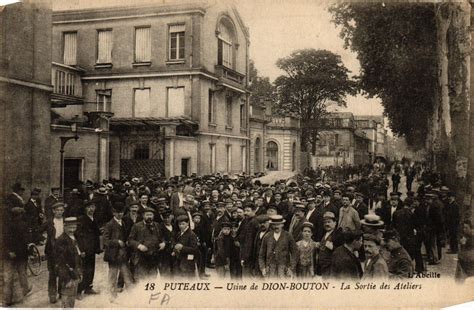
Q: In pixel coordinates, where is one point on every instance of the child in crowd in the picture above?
(306, 252)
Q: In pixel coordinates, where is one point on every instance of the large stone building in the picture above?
(155, 90)
(25, 88)
(341, 142)
(374, 129)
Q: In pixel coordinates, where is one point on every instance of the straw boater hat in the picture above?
(277, 219)
(372, 220)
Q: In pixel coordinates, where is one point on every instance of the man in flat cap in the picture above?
(146, 241)
(296, 224)
(116, 254)
(375, 266)
(68, 263)
(399, 263)
(88, 235)
(168, 232)
(185, 249)
(329, 242)
(34, 215)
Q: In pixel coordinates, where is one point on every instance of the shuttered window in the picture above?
(104, 46)
(142, 44)
(176, 42)
(225, 48)
(142, 104)
(70, 48)
(175, 102)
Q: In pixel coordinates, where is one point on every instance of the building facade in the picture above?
(25, 88)
(161, 90)
(341, 142)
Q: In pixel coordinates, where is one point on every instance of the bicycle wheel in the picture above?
(34, 260)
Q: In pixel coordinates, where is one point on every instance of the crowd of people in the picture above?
(342, 227)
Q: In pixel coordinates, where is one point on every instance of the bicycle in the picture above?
(34, 259)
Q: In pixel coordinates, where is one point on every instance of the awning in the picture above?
(150, 121)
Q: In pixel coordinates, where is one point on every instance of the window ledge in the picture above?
(103, 65)
(228, 127)
(175, 62)
(141, 64)
(243, 129)
(212, 125)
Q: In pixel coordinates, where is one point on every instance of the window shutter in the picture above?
(70, 48)
(142, 45)
(104, 46)
(219, 51)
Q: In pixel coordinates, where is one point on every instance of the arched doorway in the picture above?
(272, 156)
(257, 155)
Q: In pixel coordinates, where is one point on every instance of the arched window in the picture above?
(272, 156)
(226, 43)
(257, 155)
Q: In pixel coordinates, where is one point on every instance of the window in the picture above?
(104, 46)
(211, 108)
(229, 157)
(176, 42)
(141, 101)
(212, 163)
(176, 101)
(70, 48)
(243, 116)
(336, 139)
(104, 100)
(257, 155)
(142, 151)
(142, 44)
(228, 111)
(243, 156)
(225, 47)
(64, 83)
(272, 156)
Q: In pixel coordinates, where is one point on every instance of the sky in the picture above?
(277, 28)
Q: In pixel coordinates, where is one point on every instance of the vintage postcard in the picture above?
(236, 154)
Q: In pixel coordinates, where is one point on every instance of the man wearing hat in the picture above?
(177, 198)
(222, 249)
(185, 249)
(433, 228)
(348, 216)
(15, 199)
(168, 232)
(146, 241)
(50, 201)
(34, 215)
(452, 221)
(132, 217)
(115, 250)
(54, 228)
(314, 215)
(387, 211)
(88, 235)
(296, 224)
(187, 209)
(399, 263)
(103, 212)
(306, 252)
(249, 229)
(329, 242)
(404, 223)
(200, 230)
(375, 266)
(344, 262)
(360, 206)
(69, 263)
(15, 255)
(264, 229)
(278, 252)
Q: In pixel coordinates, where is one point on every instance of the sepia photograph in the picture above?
(236, 153)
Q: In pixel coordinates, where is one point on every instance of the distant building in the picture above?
(162, 90)
(341, 142)
(25, 88)
(374, 128)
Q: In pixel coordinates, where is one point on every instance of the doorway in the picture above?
(72, 172)
(185, 166)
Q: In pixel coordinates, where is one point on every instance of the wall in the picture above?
(25, 55)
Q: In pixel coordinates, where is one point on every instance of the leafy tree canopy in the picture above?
(396, 47)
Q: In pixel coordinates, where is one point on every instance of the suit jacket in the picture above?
(68, 260)
(217, 225)
(298, 229)
(375, 269)
(385, 214)
(12, 201)
(113, 232)
(185, 258)
(276, 253)
(15, 236)
(249, 229)
(326, 251)
(168, 238)
(103, 212)
(150, 236)
(32, 213)
(48, 226)
(404, 222)
(361, 208)
(316, 218)
(128, 222)
(345, 265)
(88, 235)
(399, 264)
(222, 249)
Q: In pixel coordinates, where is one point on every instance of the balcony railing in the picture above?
(98, 107)
(288, 122)
(66, 81)
(230, 74)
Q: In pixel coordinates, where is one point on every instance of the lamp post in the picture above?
(64, 140)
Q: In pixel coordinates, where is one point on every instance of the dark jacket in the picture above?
(148, 235)
(15, 236)
(326, 252)
(222, 249)
(277, 253)
(345, 265)
(68, 261)
(48, 226)
(88, 235)
(32, 213)
(48, 203)
(128, 222)
(113, 232)
(399, 264)
(376, 269)
(250, 227)
(103, 212)
(185, 258)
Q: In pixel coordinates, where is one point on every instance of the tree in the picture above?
(313, 80)
(396, 46)
(260, 87)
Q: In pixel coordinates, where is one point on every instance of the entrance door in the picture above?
(272, 156)
(72, 172)
(185, 166)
